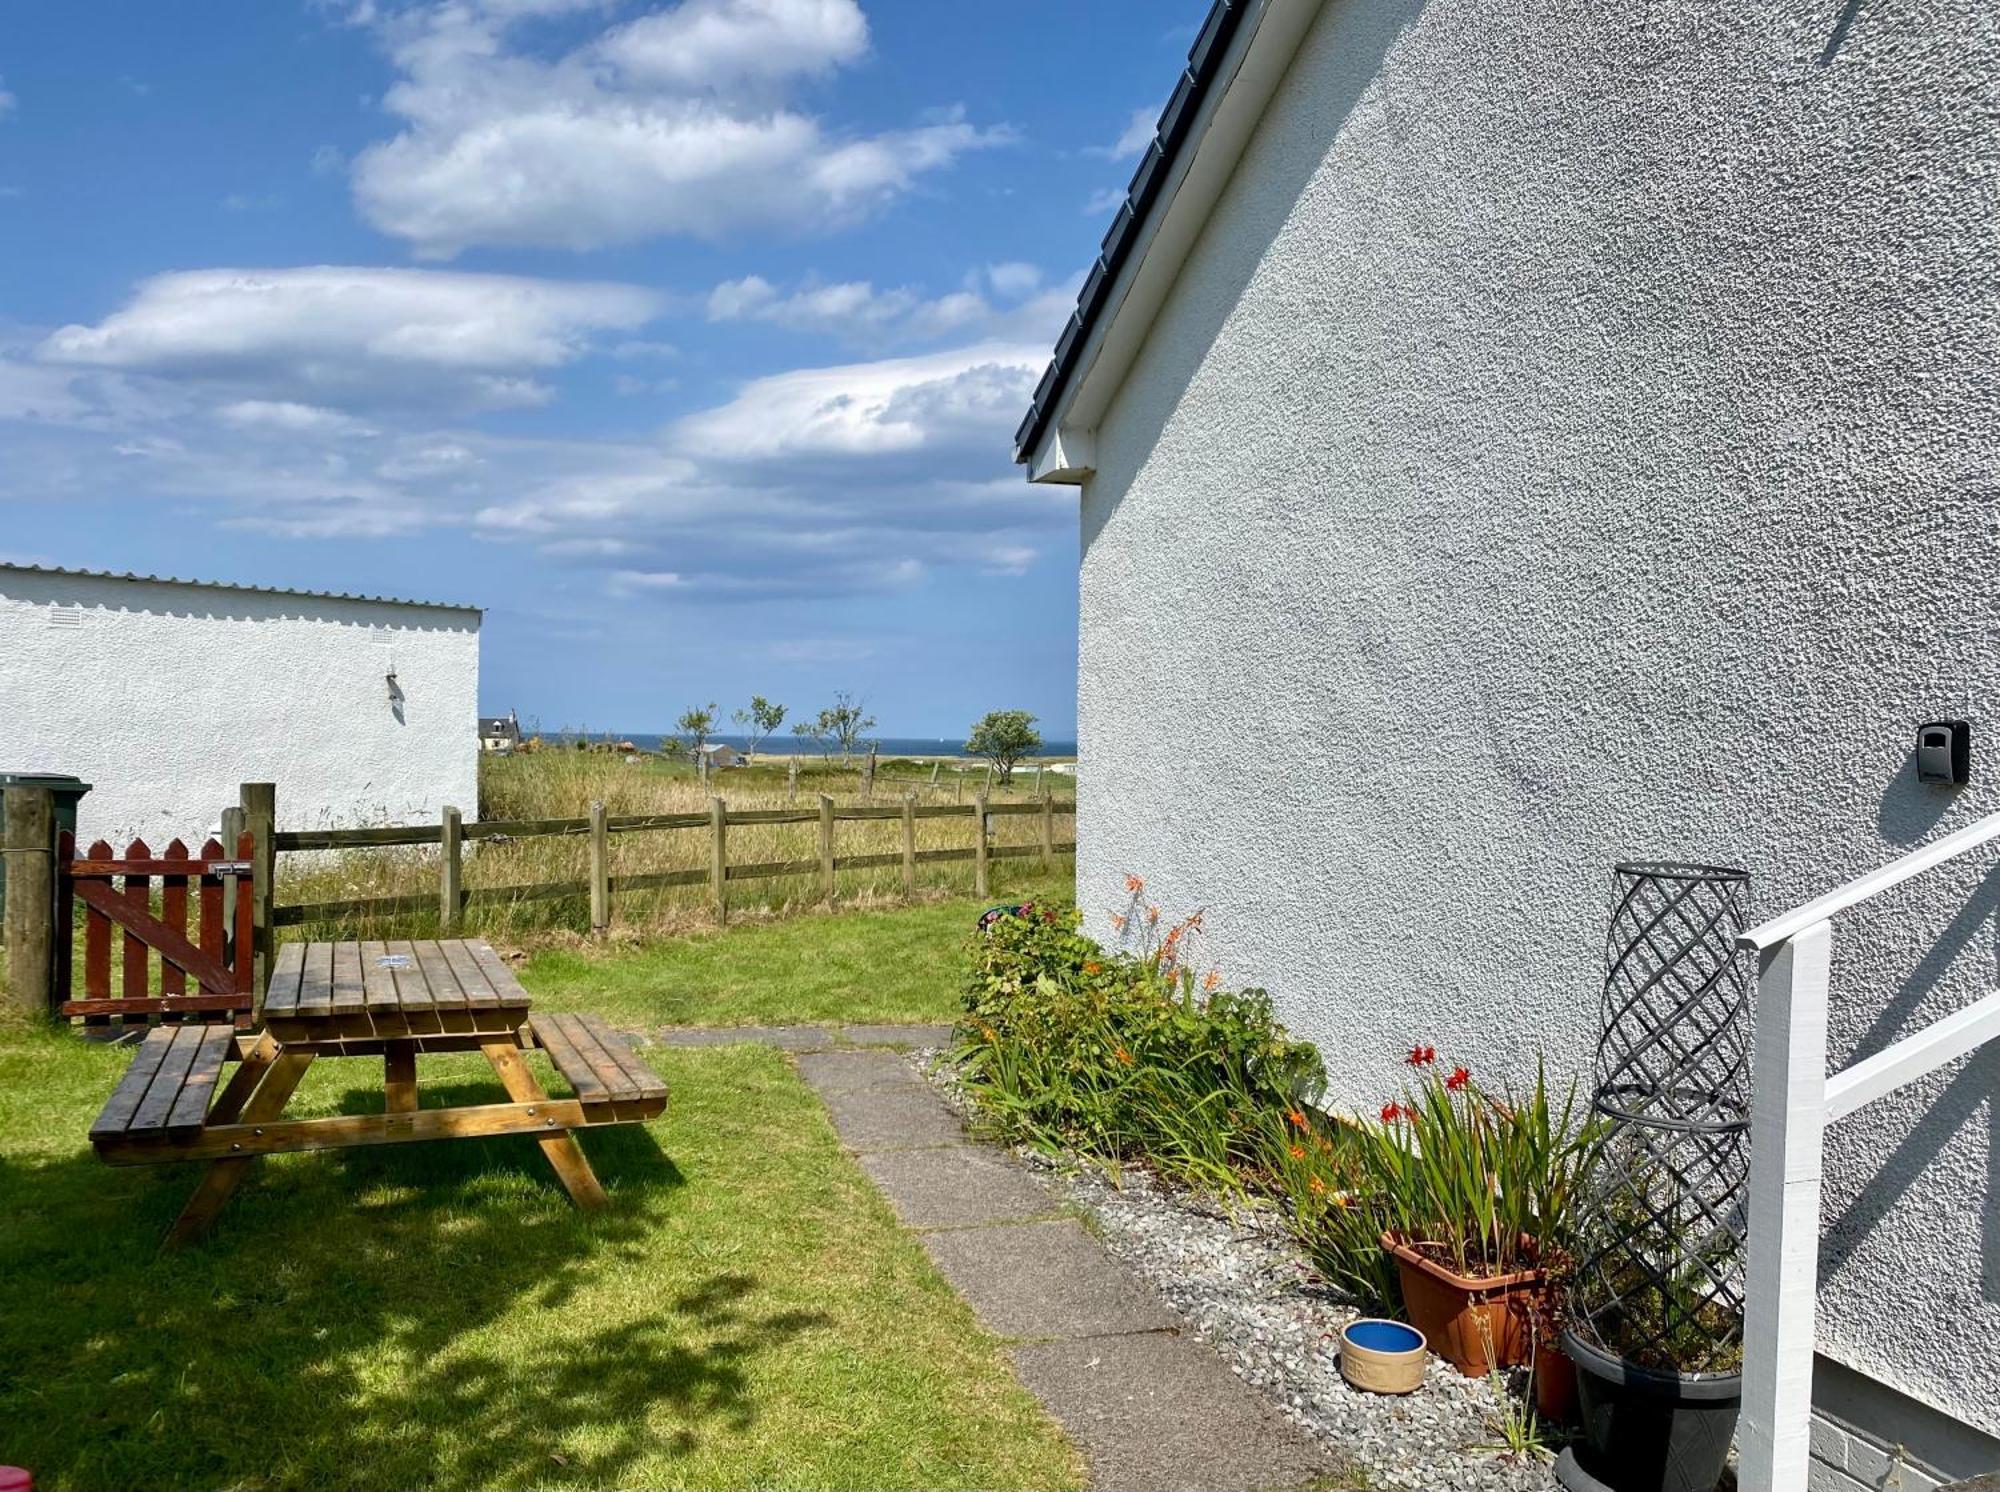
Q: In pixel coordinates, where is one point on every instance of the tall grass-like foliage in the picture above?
(1484, 1182)
(1123, 1055)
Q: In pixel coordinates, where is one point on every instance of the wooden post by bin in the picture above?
(1048, 831)
(259, 802)
(451, 899)
(909, 844)
(979, 843)
(826, 881)
(718, 857)
(600, 869)
(30, 868)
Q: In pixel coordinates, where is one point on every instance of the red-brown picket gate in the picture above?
(116, 892)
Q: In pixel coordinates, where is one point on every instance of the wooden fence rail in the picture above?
(601, 887)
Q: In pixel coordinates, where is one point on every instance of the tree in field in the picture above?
(696, 726)
(1003, 737)
(846, 723)
(810, 734)
(759, 721)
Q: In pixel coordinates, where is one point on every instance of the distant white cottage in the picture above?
(716, 754)
(166, 694)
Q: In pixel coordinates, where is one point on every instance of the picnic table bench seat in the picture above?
(601, 1068)
(165, 1092)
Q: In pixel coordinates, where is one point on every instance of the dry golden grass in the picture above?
(561, 785)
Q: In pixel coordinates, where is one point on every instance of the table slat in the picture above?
(190, 1109)
(505, 984)
(316, 982)
(471, 979)
(281, 995)
(378, 985)
(445, 993)
(348, 998)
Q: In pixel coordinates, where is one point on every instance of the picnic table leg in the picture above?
(565, 1155)
(399, 1078)
(243, 1082)
(223, 1176)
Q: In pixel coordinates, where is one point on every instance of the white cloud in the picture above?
(703, 45)
(1133, 139)
(670, 124)
(1103, 200)
(336, 335)
(8, 103)
(857, 312)
(288, 417)
(966, 397)
(1010, 559)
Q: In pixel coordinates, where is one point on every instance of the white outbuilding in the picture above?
(167, 694)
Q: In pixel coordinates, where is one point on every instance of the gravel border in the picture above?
(1244, 1287)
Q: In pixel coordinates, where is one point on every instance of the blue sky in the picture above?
(687, 339)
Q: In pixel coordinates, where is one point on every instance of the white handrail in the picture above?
(1919, 860)
(1791, 1104)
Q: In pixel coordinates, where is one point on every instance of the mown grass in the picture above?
(900, 964)
(747, 1313)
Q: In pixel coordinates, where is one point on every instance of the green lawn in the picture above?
(902, 964)
(747, 1313)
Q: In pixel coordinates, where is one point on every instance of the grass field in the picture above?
(747, 1313)
(878, 965)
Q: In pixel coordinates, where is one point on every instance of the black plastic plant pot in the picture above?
(1646, 1430)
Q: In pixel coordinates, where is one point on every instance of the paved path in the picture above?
(1152, 1409)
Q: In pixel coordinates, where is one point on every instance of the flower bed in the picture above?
(1451, 1206)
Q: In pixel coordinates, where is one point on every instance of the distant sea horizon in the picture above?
(784, 743)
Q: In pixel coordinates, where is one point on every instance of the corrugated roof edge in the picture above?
(1203, 65)
(230, 585)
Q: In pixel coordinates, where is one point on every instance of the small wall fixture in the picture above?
(1944, 751)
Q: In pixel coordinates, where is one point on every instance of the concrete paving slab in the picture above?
(789, 1038)
(1035, 1280)
(850, 1072)
(1157, 1413)
(892, 1117)
(896, 1036)
(955, 1187)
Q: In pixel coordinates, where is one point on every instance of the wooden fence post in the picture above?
(909, 845)
(1048, 832)
(826, 881)
(792, 781)
(979, 880)
(936, 767)
(718, 860)
(600, 869)
(30, 869)
(259, 802)
(451, 901)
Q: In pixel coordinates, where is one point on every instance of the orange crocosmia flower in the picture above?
(1118, 922)
(1093, 967)
(1297, 1117)
(1298, 1152)
(1213, 980)
(1152, 915)
(1123, 1056)
(1316, 1186)
(1134, 884)
(1343, 1201)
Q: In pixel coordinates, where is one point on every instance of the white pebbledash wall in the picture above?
(167, 695)
(1573, 439)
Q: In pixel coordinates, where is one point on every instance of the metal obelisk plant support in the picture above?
(1659, 1278)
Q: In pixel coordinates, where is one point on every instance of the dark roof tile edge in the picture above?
(1204, 64)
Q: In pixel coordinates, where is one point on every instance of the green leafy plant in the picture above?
(1124, 1055)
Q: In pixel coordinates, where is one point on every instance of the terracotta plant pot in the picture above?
(1555, 1384)
(1475, 1324)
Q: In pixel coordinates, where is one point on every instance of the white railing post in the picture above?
(1787, 1123)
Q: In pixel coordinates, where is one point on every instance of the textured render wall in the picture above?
(1573, 440)
(167, 697)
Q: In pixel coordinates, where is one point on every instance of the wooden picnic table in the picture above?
(393, 999)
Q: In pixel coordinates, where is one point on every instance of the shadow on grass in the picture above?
(410, 1315)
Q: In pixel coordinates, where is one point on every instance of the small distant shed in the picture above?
(715, 754)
